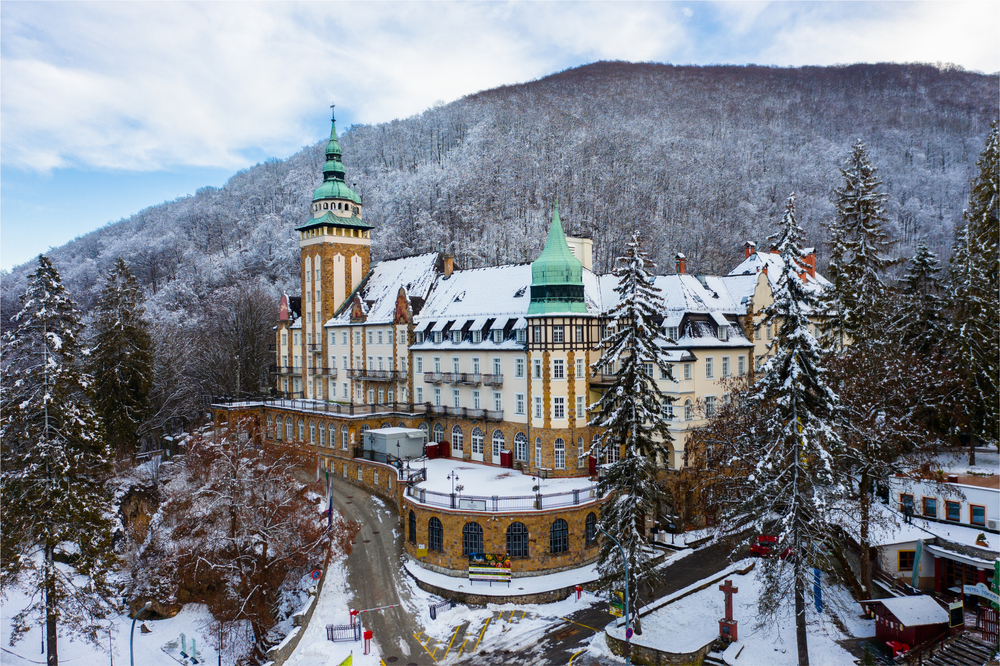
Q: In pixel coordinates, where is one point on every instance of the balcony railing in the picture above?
(325, 372)
(315, 348)
(283, 370)
(433, 377)
(493, 380)
(469, 378)
(603, 378)
(320, 407)
(377, 375)
(466, 378)
(466, 412)
(499, 503)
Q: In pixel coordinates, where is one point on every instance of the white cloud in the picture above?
(143, 86)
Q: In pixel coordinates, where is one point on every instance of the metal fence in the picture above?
(343, 632)
(499, 503)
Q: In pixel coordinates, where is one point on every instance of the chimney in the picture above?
(283, 308)
(449, 264)
(681, 263)
(749, 248)
(953, 478)
(810, 261)
(774, 249)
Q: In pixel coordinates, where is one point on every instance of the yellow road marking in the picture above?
(453, 637)
(576, 655)
(425, 648)
(522, 615)
(483, 631)
(582, 625)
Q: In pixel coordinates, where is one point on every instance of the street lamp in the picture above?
(628, 651)
(131, 635)
(454, 477)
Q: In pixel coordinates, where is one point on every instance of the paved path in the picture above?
(375, 575)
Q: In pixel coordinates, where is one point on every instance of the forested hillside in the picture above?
(699, 158)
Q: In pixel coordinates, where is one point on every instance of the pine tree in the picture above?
(855, 306)
(919, 325)
(631, 416)
(55, 462)
(973, 287)
(121, 360)
(784, 476)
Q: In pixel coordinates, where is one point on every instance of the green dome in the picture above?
(556, 276)
(335, 189)
(333, 186)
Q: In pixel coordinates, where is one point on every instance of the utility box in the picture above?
(506, 459)
(403, 443)
(432, 450)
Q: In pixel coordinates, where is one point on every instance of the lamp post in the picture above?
(628, 651)
(131, 635)
(453, 475)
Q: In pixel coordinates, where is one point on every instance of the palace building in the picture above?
(497, 366)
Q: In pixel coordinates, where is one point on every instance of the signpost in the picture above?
(980, 590)
(956, 615)
(617, 605)
(489, 567)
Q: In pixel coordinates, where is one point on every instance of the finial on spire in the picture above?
(333, 113)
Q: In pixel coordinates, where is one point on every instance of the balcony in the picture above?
(324, 372)
(377, 375)
(469, 378)
(315, 349)
(283, 370)
(493, 380)
(466, 412)
(293, 401)
(433, 377)
(603, 378)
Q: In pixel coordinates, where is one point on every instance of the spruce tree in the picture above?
(973, 287)
(55, 506)
(784, 477)
(121, 360)
(855, 306)
(630, 414)
(919, 324)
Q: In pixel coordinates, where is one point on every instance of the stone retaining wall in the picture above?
(277, 655)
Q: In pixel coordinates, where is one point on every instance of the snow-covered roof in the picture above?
(756, 262)
(468, 294)
(415, 274)
(914, 611)
(888, 527)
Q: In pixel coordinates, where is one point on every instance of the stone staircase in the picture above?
(964, 650)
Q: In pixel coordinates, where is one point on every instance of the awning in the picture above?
(937, 551)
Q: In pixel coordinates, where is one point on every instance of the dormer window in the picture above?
(477, 336)
(723, 333)
(437, 337)
(672, 332)
(418, 337)
(522, 336)
(498, 335)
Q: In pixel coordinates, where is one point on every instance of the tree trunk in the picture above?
(801, 641)
(864, 493)
(51, 633)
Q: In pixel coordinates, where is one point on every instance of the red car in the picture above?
(764, 547)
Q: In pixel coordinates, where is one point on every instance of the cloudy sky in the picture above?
(107, 108)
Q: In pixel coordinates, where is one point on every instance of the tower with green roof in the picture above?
(556, 276)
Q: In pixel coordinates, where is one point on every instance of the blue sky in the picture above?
(108, 108)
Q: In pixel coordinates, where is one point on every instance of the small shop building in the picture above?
(907, 620)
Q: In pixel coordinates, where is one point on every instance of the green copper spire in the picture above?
(556, 276)
(333, 186)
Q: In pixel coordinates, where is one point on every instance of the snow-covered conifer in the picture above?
(631, 414)
(919, 324)
(121, 360)
(55, 507)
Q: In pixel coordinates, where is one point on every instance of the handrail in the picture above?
(501, 503)
(919, 651)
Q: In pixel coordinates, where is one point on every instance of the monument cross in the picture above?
(727, 625)
(730, 591)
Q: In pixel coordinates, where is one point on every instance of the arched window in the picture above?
(269, 425)
(289, 429)
(538, 452)
(333, 436)
(438, 433)
(345, 437)
(400, 425)
(457, 440)
(312, 432)
(590, 530)
(302, 430)
(322, 435)
(386, 425)
(611, 453)
(472, 538)
(435, 535)
(688, 410)
(520, 447)
(497, 444)
(365, 428)
(477, 440)
(580, 462)
(559, 536)
(560, 451)
(517, 540)
(413, 527)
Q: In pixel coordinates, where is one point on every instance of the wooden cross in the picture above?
(729, 591)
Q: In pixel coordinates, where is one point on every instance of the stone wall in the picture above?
(300, 620)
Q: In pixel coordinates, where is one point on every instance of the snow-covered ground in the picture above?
(691, 622)
(150, 649)
(892, 528)
(489, 480)
(957, 462)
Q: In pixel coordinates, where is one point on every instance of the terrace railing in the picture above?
(502, 503)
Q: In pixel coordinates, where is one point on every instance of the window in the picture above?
(557, 334)
(668, 409)
(498, 445)
(579, 369)
(388, 337)
(371, 396)
(517, 540)
(456, 365)
(312, 432)
(497, 335)
(302, 430)
(665, 372)
(456, 398)
(709, 367)
(477, 337)
(361, 474)
(420, 394)
(435, 535)
(709, 406)
(457, 438)
(579, 407)
(475, 365)
(437, 337)
(559, 536)
(724, 333)
(437, 397)
(375, 477)
(380, 337)
(519, 403)
(418, 337)
(579, 332)
(419, 360)
(344, 437)
(560, 450)
(522, 336)
(497, 371)
(672, 333)
(741, 365)
(380, 361)
(519, 367)
(612, 454)
(725, 367)
(558, 369)
(476, 402)
(770, 331)
(381, 396)
(371, 365)
(477, 441)
(538, 452)
(905, 501)
(647, 369)
(472, 538)
(930, 507)
(497, 401)
(520, 447)
(343, 338)
(536, 334)
(538, 406)
(688, 410)
(370, 337)
(906, 559)
(590, 529)
(687, 371)
(536, 368)
(977, 515)
(953, 511)
(559, 408)
(579, 453)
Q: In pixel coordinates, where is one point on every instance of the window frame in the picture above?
(435, 534)
(558, 537)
